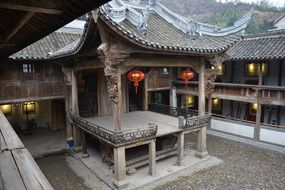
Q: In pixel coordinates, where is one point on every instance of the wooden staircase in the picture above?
(86, 105)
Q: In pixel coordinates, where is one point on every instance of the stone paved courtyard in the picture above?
(243, 168)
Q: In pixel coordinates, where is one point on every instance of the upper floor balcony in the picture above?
(270, 95)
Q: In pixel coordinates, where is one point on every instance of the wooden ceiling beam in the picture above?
(18, 25)
(29, 8)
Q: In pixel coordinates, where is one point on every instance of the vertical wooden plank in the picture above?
(10, 175)
(3, 145)
(31, 174)
(10, 137)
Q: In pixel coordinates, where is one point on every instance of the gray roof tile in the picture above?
(263, 46)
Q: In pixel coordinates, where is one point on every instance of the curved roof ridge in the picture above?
(120, 10)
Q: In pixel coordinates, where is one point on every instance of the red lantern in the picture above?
(136, 76)
(186, 75)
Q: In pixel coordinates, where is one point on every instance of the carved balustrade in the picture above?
(116, 138)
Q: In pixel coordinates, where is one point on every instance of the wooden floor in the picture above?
(140, 119)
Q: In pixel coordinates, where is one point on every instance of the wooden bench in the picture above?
(18, 169)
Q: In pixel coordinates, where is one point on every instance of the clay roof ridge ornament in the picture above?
(143, 22)
(152, 2)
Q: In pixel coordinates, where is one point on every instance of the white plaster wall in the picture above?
(233, 128)
(272, 136)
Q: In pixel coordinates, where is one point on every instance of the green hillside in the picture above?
(225, 14)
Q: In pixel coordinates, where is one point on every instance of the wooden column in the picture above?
(145, 96)
(84, 145)
(180, 146)
(210, 104)
(258, 111)
(120, 168)
(69, 132)
(74, 108)
(67, 72)
(210, 107)
(201, 151)
(152, 157)
(117, 105)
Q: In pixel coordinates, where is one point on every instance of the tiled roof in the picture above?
(162, 35)
(263, 46)
(47, 45)
(153, 26)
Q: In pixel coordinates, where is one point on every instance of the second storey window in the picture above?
(251, 69)
(28, 68)
(220, 69)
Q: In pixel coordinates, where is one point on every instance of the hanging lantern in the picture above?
(136, 76)
(186, 75)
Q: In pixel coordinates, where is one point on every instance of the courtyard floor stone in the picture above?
(243, 168)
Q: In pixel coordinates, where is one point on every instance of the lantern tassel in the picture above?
(136, 89)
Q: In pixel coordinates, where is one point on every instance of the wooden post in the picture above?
(75, 109)
(145, 96)
(257, 123)
(258, 111)
(84, 145)
(152, 157)
(210, 107)
(201, 151)
(120, 168)
(260, 74)
(117, 105)
(69, 132)
(180, 146)
(210, 104)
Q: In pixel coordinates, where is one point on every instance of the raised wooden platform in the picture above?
(140, 119)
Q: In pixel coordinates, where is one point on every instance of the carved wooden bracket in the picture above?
(219, 59)
(113, 90)
(114, 68)
(67, 72)
(210, 77)
(211, 74)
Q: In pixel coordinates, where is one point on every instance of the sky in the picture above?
(277, 3)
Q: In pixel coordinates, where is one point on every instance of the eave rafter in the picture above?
(18, 25)
(46, 7)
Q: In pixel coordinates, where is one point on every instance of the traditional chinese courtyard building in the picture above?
(124, 36)
(81, 78)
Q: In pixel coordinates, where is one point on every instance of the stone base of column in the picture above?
(201, 154)
(77, 149)
(180, 163)
(121, 184)
(85, 155)
(152, 172)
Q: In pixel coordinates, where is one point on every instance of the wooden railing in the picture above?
(190, 117)
(18, 169)
(267, 93)
(172, 111)
(115, 138)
